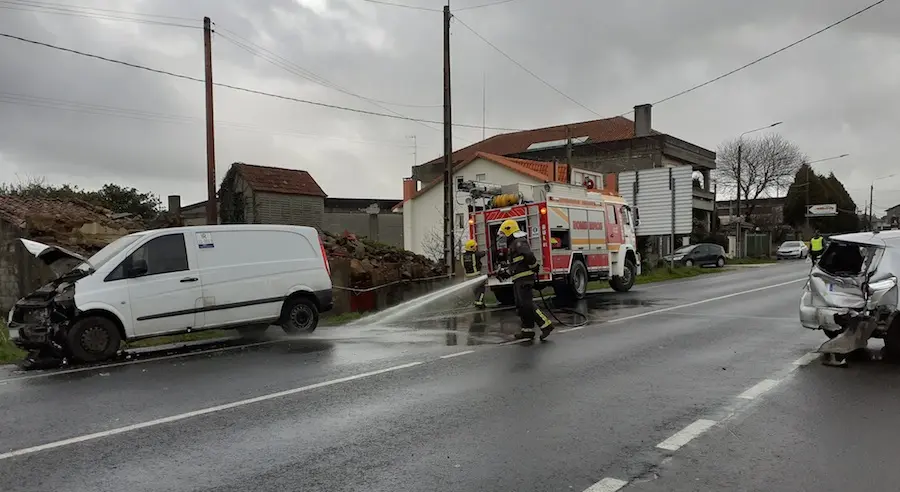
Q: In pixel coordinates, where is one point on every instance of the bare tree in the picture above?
(768, 163)
(433, 243)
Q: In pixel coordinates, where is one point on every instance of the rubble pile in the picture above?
(373, 263)
(72, 224)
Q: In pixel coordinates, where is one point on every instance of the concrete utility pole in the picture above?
(869, 216)
(449, 249)
(212, 209)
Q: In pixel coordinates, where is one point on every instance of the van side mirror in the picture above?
(137, 268)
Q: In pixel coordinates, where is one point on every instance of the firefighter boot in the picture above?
(479, 301)
(546, 325)
(525, 334)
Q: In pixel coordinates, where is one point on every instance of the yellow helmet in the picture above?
(471, 245)
(509, 227)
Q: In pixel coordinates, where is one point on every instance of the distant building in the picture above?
(370, 217)
(764, 212)
(423, 209)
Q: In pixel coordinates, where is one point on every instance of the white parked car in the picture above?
(792, 249)
(171, 281)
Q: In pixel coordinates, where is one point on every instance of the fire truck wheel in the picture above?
(504, 295)
(578, 279)
(625, 282)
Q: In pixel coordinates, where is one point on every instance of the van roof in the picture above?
(232, 227)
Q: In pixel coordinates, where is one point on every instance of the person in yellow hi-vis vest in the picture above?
(816, 245)
(471, 261)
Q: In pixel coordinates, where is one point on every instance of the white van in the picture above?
(171, 281)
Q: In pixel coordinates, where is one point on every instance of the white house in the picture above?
(423, 209)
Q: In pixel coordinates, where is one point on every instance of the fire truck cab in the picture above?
(578, 234)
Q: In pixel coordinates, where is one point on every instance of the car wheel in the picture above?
(626, 281)
(720, 262)
(93, 339)
(689, 263)
(299, 315)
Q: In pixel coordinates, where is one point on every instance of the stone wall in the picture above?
(20, 272)
(375, 300)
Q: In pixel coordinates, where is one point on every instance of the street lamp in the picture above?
(809, 165)
(738, 181)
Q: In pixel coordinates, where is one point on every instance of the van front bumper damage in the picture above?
(38, 324)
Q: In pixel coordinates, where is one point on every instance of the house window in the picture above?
(460, 221)
(481, 177)
(459, 181)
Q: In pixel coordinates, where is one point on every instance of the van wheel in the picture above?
(93, 339)
(299, 315)
(626, 281)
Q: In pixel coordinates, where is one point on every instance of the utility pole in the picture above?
(449, 249)
(871, 193)
(568, 147)
(740, 220)
(212, 212)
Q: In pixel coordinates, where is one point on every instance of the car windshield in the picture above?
(685, 249)
(791, 244)
(101, 257)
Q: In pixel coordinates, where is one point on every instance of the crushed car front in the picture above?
(852, 291)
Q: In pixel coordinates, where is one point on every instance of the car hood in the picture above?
(59, 259)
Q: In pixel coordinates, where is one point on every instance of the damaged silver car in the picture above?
(852, 293)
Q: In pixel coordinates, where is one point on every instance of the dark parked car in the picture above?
(702, 254)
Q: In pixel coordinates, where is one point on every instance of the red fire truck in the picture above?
(577, 233)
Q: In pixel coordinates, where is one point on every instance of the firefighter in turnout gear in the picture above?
(522, 268)
(471, 261)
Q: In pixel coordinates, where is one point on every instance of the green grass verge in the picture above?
(9, 353)
(750, 261)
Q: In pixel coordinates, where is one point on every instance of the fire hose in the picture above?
(553, 310)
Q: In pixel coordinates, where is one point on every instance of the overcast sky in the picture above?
(836, 93)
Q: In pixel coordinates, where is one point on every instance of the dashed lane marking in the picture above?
(607, 485)
(457, 354)
(687, 434)
(806, 359)
(196, 413)
(758, 389)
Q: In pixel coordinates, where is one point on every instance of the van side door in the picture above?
(163, 285)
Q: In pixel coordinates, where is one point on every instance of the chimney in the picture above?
(410, 186)
(642, 120)
(175, 205)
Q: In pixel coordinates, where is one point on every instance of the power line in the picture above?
(90, 13)
(412, 7)
(291, 67)
(491, 4)
(98, 9)
(136, 114)
(523, 67)
(244, 89)
(754, 62)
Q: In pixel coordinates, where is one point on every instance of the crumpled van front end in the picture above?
(852, 291)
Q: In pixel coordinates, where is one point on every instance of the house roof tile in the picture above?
(605, 130)
(278, 180)
(539, 170)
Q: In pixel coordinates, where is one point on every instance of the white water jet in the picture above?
(404, 309)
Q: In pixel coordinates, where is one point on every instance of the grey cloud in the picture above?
(834, 92)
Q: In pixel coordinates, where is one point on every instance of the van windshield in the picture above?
(109, 251)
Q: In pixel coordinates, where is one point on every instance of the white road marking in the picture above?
(196, 413)
(139, 361)
(607, 485)
(457, 354)
(513, 342)
(574, 328)
(758, 389)
(704, 301)
(685, 435)
(806, 359)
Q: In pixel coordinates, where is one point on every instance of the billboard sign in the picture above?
(822, 210)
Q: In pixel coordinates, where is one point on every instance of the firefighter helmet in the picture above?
(509, 227)
(471, 245)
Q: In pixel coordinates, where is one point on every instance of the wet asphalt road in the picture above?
(440, 404)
